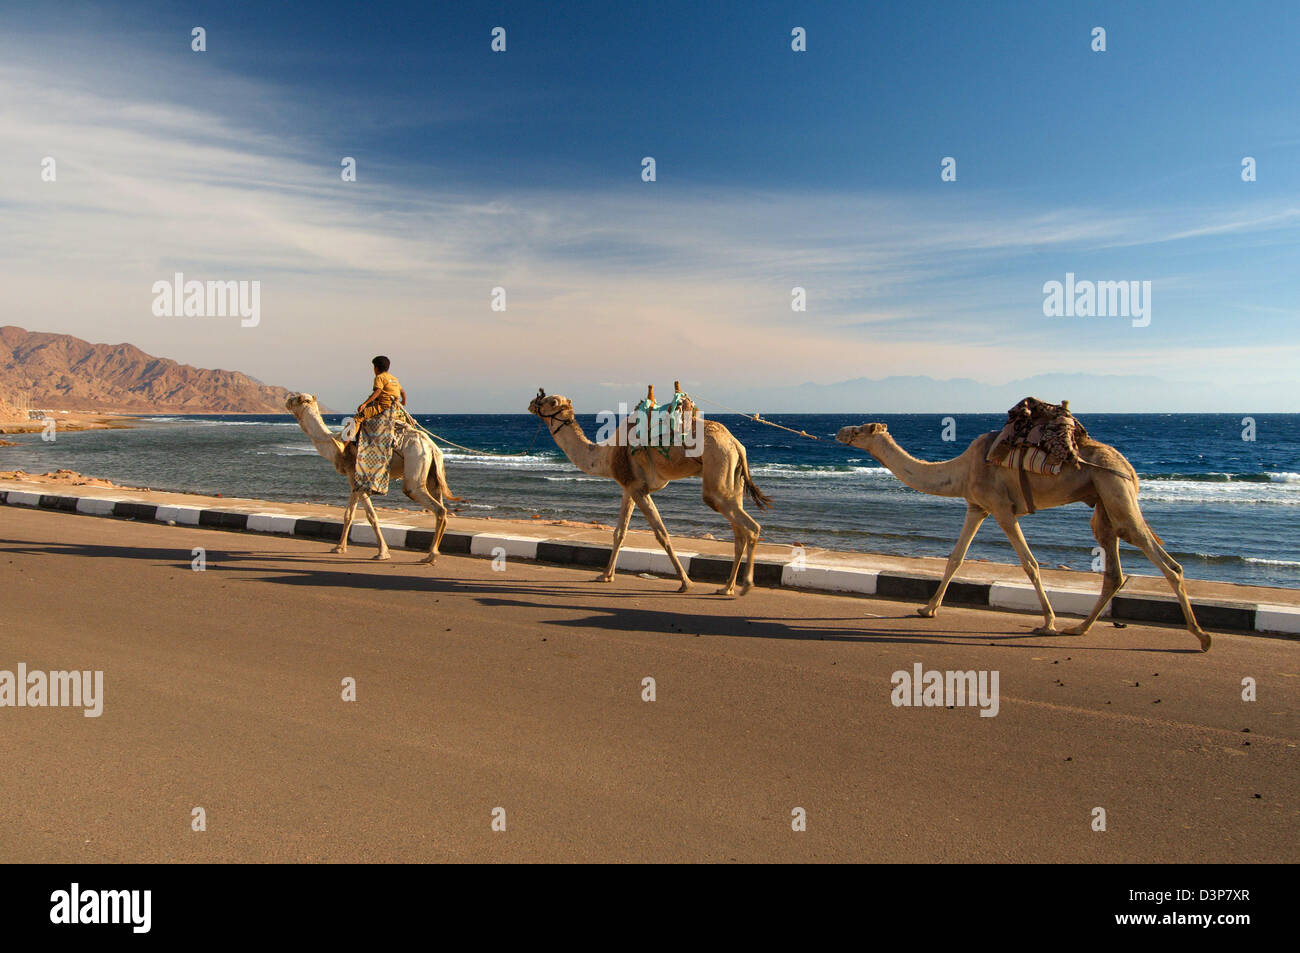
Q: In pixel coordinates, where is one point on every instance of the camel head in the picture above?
(551, 408)
(296, 403)
(861, 437)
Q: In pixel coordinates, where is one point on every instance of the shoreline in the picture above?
(66, 420)
(73, 421)
(1146, 599)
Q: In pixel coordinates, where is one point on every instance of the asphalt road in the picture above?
(522, 690)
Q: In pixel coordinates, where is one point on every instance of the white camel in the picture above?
(416, 461)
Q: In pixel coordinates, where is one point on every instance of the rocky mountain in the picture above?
(58, 371)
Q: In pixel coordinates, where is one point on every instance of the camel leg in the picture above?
(1030, 565)
(349, 512)
(738, 553)
(745, 530)
(749, 562)
(1140, 535)
(651, 513)
(374, 524)
(753, 529)
(437, 535)
(975, 517)
(620, 530)
(1113, 578)
(420, 494)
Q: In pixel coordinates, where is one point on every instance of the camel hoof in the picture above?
(338, 549)
(1205, 640)
(925, 612)
(746, 587)
(1076, 630)
(430, 559)
(603, 578)
(685, 587)
(725, 591)
(381, 556)
(1046, 630)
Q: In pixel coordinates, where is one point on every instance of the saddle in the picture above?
(664, 424)
(1038, 438)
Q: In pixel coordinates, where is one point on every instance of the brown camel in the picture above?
(1107, 482)
(722, 465)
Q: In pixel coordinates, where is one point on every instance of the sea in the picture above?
(1228, 508)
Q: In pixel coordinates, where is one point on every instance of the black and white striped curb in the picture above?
(1018, 597)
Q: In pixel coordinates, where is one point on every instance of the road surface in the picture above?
(522, 690)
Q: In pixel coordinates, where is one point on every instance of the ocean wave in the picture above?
(503, 460)
(815, 472)
(1234, 559)
(192, 422)
(1281, 563)
(1280, 476)
(1225, 492)
(286, 450)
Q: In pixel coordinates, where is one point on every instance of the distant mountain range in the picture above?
(1087, 393)
(60, 372)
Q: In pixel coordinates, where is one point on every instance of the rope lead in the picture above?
(411, 421)
(758, 418)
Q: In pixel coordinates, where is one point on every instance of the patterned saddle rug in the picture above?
(375, 451)
(1038, 437)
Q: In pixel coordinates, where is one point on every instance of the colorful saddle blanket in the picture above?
(660, 426)
(1038, 437)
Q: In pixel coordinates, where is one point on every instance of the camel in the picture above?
(417, 462)
(722, 465)
(1107, 482)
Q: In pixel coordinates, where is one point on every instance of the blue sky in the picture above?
(775, 169)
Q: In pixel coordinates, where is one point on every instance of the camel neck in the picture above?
(588, 457)
(942, 478)
(326, 444)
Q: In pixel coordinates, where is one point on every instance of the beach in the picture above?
(478, 689)
(15, 422)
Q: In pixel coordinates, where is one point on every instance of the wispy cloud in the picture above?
(656, 281)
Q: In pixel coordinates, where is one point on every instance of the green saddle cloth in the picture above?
(662, 430)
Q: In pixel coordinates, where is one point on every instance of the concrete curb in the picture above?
(1018, 597)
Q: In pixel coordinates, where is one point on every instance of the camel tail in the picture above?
(440, 479)
(761, 499)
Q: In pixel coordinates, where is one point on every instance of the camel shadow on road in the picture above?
(298, 569)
